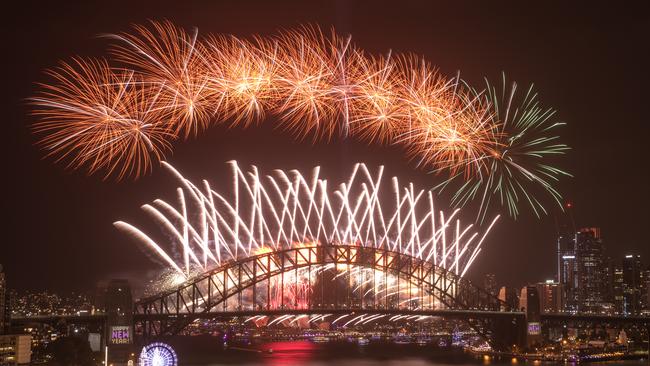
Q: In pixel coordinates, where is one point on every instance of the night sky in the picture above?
(588, 62)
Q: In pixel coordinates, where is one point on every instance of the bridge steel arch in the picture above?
(219, 291)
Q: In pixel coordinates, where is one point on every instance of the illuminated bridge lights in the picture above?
(334, 278)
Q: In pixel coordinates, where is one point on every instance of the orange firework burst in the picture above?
(100, 118)
(378, 112)
(241, 77)
(446, 128)
(170, 58)
(310, 81)
(317, 85)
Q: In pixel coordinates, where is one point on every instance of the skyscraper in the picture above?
(617, 287)
(645, 296)
(633, 284)
(510, 296)
(566, 259)
(550, 296)
(566, 271)
(4, 303)
(590, 271)
(490, 284)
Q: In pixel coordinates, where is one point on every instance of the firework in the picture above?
(289, 210)
(518, 166)
(120, 121)
(260, 214)
(169, 58)
(311, 82)
(241, 77)
(317, 85)
(101, 118)
(447, 127)
(378, 110)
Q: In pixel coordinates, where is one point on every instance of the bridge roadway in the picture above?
(438, 313)
(52, 319)
(454, 314)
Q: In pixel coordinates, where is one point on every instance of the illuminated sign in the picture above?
(534, 328)
(120, 334)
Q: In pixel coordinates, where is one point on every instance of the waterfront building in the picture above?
(15, 349)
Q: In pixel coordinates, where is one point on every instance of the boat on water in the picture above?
(402, 339)
(320, 339)
(362, 341)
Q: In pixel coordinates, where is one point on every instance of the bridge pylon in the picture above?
(116, 299)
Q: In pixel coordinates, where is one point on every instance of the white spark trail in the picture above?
(286, 209)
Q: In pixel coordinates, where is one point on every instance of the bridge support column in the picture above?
(118, 328)
(533, 318)
(508, 333)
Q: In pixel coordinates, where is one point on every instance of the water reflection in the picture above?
(207, 352)
(288, 353)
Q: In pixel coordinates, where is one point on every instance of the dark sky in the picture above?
(590, 62)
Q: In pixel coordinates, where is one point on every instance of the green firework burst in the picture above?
(520, 171)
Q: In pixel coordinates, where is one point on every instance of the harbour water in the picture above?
(205, 352)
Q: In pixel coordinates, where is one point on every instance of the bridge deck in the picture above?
(438, 313)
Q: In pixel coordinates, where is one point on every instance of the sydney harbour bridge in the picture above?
(254, 287)
(290, 249)
(349, 284)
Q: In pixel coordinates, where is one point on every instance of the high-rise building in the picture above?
(510, 296)
(646, 307)
(569, 283)
(523, 298)
(646, 292)
(4, 303)
(566, 270)
(633, 284)
(608, 305)
(490, 284)
(550, 296)
(15, 349)
(589, 270)
(617, 287)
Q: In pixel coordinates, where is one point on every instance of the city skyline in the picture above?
(95, 243)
